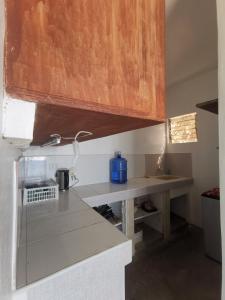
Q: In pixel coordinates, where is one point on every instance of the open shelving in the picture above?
(138, 215)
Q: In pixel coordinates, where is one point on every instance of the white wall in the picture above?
(141, 141)
(221, 32)
(181, 99)
(191, 38)
(7, 155)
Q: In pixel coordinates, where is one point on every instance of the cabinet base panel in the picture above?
(67, 121)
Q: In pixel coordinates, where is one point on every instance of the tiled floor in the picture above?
(178, 270)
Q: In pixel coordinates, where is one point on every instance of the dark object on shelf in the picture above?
(148, 206)
(63, 178)
(105, 211)
(211, 106)
(214, 193)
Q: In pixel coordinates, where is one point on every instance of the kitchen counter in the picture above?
(58, 234)
(106, 192)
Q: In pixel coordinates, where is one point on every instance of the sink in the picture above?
(164, 177)
(167, 177)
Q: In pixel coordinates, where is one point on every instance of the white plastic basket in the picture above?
(49, 191)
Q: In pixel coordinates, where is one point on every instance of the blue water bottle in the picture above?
(118, 169)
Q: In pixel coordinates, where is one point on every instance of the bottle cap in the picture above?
(118, 153)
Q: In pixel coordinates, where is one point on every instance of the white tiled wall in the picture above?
(93, 162)
(89, 169)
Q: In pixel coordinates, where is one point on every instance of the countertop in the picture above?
(106, 192)
(57, 234)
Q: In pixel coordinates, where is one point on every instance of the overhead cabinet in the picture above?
(95, 65)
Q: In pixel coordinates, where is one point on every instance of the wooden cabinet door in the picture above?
(100, 55)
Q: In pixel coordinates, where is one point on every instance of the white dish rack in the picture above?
(41, 191)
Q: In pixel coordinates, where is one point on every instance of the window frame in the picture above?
(184, 140)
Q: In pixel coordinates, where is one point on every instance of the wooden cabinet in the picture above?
(95, 65)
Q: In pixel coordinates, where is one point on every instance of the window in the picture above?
(182, 129)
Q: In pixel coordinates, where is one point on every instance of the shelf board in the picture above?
(177, 222)
(211, 106)
(116, 222)
(139, 215)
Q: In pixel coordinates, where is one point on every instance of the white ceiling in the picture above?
(191, 38)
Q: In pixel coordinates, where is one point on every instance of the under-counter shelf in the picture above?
(177, 222)
(138, 215)
(141, 214)
(116, 221)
